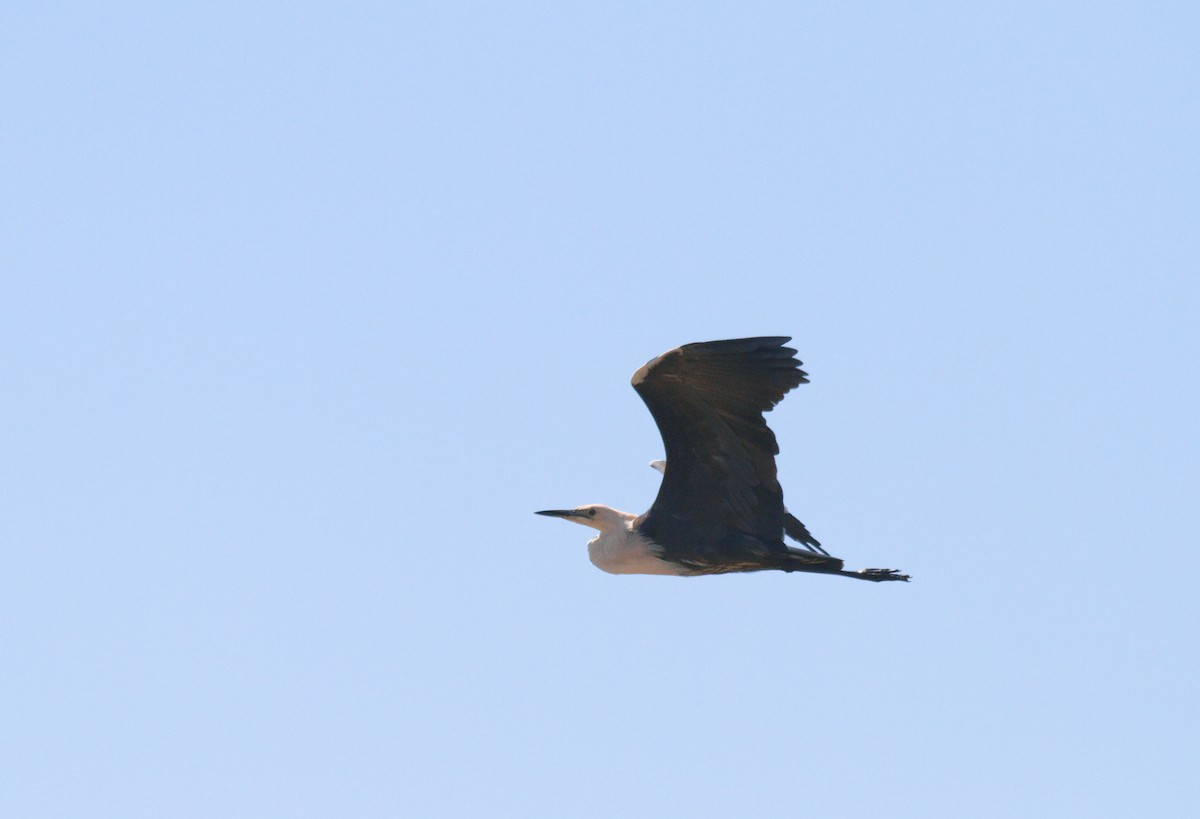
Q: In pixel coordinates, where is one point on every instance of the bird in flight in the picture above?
(720, 507)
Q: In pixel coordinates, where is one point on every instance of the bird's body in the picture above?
(720, 507)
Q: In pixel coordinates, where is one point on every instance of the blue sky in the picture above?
(308, 307)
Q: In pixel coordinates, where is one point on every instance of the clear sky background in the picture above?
(307, 308)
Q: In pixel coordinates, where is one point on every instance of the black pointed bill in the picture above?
(561, 513)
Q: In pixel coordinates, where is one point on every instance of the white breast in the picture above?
(627, 552)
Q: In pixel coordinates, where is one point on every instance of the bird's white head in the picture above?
(596, 515)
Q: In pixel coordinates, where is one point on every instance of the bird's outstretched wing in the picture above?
(708, 400)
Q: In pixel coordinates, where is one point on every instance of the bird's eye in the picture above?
(591, 513)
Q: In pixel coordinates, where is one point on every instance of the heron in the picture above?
(719, 508)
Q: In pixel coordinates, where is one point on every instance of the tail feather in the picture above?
(803, 560)
(798, 532)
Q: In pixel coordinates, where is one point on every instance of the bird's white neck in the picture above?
(620, 550)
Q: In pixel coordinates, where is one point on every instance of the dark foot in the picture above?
(879, 575)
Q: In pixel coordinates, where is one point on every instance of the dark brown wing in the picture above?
(708, 400)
